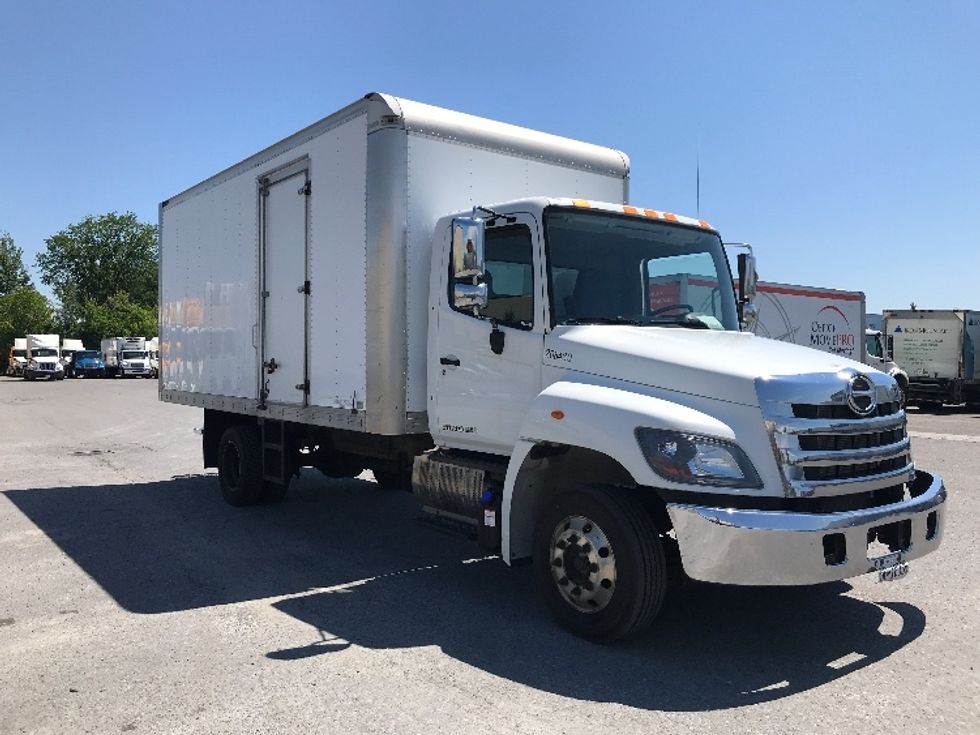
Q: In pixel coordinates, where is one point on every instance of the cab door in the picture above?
(484, 381)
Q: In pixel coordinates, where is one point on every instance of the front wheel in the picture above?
(599, 563)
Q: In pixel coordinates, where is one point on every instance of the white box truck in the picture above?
(17, 359)
(126, 356)
(68, 348)
(938, 348)
(413, 290)
(153, 354)
(43, 357)
(825, 319)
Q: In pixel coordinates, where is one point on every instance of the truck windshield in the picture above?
(86, 355)
(44, 352)
(133, 355)
(611, 269)
(872, 343)
(20, 353)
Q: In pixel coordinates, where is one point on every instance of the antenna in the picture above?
(698, 177)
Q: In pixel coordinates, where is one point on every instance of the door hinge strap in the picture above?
(304, 386)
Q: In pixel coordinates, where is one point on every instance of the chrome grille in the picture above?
(828, 444)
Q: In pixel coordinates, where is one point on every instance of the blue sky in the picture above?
(842, 139)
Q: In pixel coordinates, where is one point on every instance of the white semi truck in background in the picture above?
(17, 359)
(938, 348)
(43, 357)
(826, 319)
(474, 309)
(126, 356)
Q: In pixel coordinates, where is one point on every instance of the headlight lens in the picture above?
(696, 460)
(33, 364)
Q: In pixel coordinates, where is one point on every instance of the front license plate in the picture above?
(886, 561)
(890, 574)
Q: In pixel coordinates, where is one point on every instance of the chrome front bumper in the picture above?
(753, 547)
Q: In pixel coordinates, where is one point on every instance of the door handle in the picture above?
(454, 361)
(270, 366)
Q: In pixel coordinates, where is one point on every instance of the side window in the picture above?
(509, 276)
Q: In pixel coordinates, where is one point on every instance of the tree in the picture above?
(117, 317)
(13, 274)
(103, 270)
(23, 311)
(99, 257)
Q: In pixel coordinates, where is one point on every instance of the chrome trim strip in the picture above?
(830, 458)
(807, 488)
(837, 426)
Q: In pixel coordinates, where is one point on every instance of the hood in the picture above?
(47, 358)
(708, 363)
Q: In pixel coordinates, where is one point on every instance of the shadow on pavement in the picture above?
(355, 565)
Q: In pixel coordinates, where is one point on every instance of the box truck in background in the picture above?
(17, 359)
(938, 348)
(126, 356)
(153, 354)
(43, 357)
(474, 310)
(825, 319)
(68, 349)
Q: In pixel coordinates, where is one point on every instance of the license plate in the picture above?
(888, 560)
(890, 574)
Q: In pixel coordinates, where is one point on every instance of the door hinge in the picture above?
(304, 386)
(306, 190)
(305, 288)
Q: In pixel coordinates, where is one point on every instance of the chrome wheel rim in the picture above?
(583, 564)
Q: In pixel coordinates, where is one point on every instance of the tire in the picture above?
(240, 466)
(619, 592)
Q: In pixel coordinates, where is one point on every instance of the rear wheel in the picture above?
(240, 466)
(599, 563)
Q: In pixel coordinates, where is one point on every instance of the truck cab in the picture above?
(17, 359)
(878, 354)
(597, 347)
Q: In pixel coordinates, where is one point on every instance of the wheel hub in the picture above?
(583, 564)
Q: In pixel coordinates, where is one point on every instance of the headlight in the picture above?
(696, 460)
(32, 364)
(125, 363)
(59, 366)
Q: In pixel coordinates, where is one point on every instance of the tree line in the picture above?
(102, 272)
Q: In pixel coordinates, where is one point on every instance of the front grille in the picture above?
(841, 442)
(852, 471)
(828, 453)
(840, 411)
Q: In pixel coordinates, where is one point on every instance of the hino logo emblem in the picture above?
(861, 395)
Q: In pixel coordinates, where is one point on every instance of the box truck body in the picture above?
(827, 319)
(938, 349)
(473, 310)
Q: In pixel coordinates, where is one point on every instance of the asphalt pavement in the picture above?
(135, 600)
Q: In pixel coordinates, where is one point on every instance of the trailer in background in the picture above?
(938, 349)
(825, 319)
(17, 359)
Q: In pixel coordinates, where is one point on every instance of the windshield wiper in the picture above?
(603, 320)
(683, 321)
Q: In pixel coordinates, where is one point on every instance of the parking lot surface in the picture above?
(135, 600)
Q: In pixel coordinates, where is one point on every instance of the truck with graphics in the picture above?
(474, 311)
(825, 319)
(938, 348)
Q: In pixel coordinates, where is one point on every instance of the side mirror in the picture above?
(746, 277)
(469, 290)
(468, 253)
